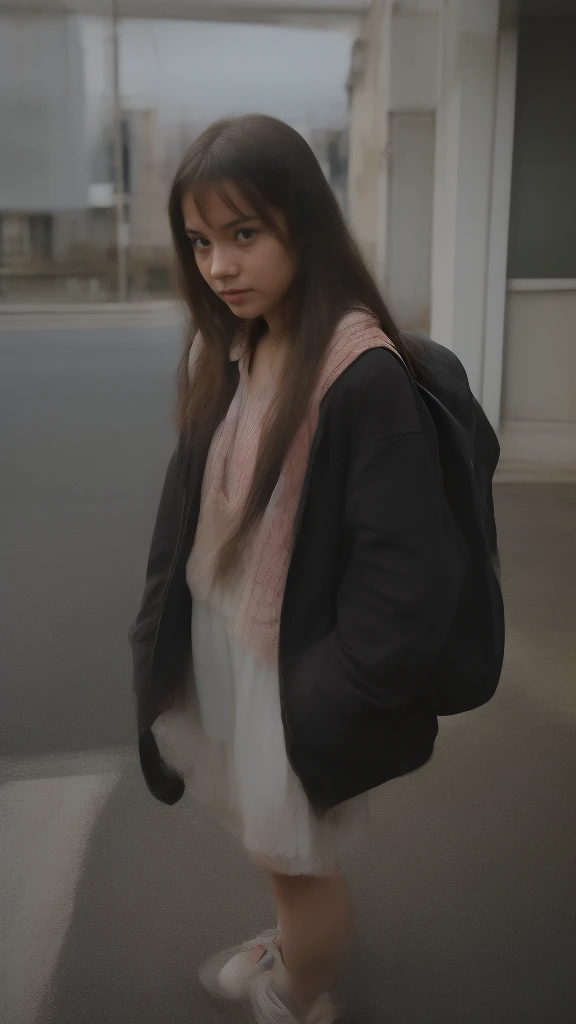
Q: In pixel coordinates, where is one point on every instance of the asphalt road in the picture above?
(86, 421)
(465, 888)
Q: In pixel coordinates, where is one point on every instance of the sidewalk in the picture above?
(510, 472)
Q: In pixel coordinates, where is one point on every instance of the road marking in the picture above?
(46, 825)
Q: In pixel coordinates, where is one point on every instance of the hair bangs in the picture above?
(255, 202)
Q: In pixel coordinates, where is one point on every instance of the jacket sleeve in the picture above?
(162, 781)
(162, 547)
(143, 631)
(397, 597)
(487, 454)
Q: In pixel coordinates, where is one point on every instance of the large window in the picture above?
(543, 208)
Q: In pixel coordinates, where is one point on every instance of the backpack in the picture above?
(468, 669)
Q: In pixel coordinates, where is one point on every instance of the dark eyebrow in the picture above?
(226, 227)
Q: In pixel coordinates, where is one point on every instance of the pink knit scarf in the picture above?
(254, 605)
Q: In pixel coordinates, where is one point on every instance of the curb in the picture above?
(103, 315)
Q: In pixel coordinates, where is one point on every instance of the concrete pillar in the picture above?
(496, 284)
(393, 73)
(465, 121)
(369, 86)
(411, 154)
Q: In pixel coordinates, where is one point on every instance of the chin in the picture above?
(244, 314)
(247, 311)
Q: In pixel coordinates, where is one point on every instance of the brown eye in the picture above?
(200, 244)
(248, 234)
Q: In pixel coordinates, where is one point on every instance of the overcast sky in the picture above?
(202, 70)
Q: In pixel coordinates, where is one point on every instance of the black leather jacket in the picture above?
(371, 593)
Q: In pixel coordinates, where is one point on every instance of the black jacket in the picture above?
(371, 593)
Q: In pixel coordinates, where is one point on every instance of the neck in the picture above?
(276, 321)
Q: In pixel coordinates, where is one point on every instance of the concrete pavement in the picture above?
(465, 887)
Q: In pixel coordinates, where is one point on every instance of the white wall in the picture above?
(414, 58)
(540, 355)
(411, 146)
(396, 75)
(409, 227)
(369, 106)
(464, 141)
(497, 257)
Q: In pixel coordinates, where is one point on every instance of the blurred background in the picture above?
(100, 105)
(447, 129)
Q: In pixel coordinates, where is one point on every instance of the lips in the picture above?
(235, 297)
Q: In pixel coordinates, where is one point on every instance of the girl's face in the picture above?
(239, 257)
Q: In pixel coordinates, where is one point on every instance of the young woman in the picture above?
(302, 577)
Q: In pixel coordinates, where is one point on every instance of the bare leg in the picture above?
(315, 917)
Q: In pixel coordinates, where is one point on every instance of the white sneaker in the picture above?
(227, 975)
(272, 1003)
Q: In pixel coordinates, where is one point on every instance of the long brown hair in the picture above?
(274, 169)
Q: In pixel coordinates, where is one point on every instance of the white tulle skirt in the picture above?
(227, 740)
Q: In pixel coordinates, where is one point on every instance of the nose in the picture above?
(224, 263)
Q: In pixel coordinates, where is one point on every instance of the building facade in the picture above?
(462, 190)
